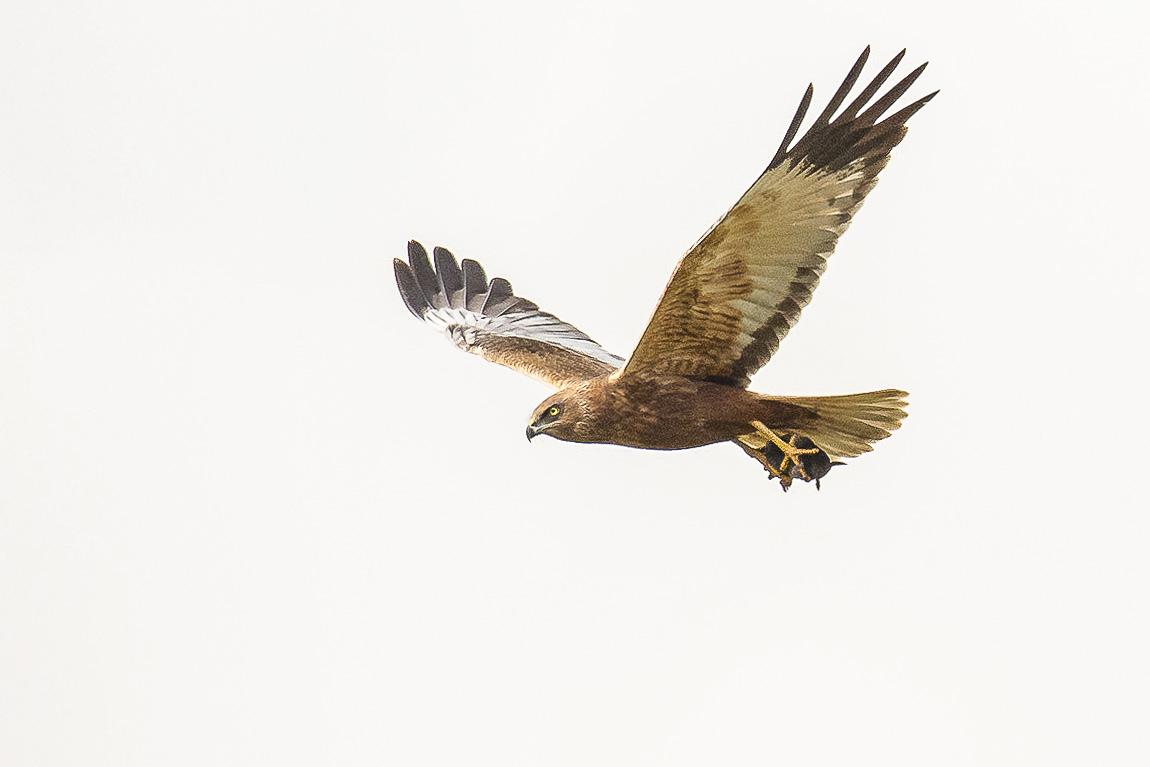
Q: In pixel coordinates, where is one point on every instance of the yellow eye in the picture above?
(553, 411)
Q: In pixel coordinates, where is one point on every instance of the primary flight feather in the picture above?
(729, 303)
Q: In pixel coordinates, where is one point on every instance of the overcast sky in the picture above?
(252, 512)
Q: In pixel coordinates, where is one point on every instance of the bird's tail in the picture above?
(845, 426)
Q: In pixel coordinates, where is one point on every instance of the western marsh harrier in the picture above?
(729, 303)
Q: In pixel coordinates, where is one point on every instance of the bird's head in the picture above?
(562, 416)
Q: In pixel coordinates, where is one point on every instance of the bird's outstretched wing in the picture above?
(740, 289)
(491, 321)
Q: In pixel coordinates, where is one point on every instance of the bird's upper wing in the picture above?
(493, 322)
(741, 287)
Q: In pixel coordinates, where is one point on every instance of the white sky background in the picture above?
(252, 513)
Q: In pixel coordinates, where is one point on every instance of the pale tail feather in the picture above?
(847, 424)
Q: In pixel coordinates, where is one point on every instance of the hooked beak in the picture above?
(531, 431)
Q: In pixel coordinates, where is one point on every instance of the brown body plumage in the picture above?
(728, 305)
(660, 412)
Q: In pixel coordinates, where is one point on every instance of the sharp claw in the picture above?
(790, 457)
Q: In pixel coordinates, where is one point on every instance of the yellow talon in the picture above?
(790, 452)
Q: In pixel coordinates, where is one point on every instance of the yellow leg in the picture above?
(754, 449)
(790, 452)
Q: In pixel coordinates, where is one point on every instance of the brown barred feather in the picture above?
(741, 288)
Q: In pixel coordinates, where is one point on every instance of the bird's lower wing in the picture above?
(488, 319)
(740, 289)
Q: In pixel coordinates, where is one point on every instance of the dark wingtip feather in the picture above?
(848, 119)
(872, 88)
(453, 285)
(424, 274)
(793, 130)
(409, 289)
(852, 136)
(844, 89)
(501, 299)
(450, 278)
(474, 285)
(883, 104)
(904, 114)
(499, 291)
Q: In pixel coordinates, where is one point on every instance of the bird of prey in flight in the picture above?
(728, 304)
